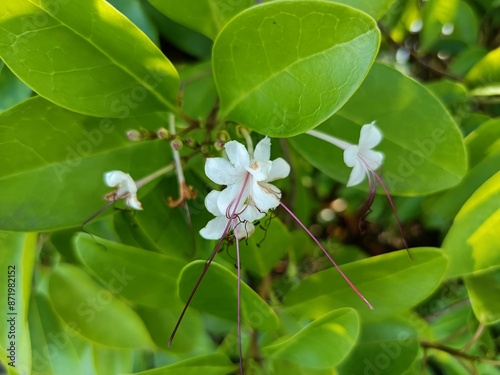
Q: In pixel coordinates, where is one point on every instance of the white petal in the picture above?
(263, 150)
(250, 213)
(114, 178)
(357, 174)
(372, 159)
(279, 169)
(133, 202)
(260, 170)
(211, 202)
(351, 155)
(214, 229)
(265, 196)
(221, 171)
(244, 229)
(227, 199)
(237, 154)
(370, 136)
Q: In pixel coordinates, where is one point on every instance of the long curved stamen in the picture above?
(238, 263)
(328, 255)
(209, 261)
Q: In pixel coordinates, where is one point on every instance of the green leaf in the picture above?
(53, 162)
(486, 71)
(484, 288)
(449, 92)
(262, 254)
(112, 361)
(94, 312)
(209, 364)
(12, 89)
(51, 340)
(73, 54)
(437, 13)
(464, 61)
(483, 149)
(274, 48)
(139, 275)
(323, 343)
(217, 295)
(17, 262)
(206, 16)
(375, 8)
(391, 282)
(423, 147)
(386, 347)
(472, 243)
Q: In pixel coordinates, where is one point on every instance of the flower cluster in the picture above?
(248, 195)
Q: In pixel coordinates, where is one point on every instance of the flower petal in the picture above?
(114, 178)
(260, 170)
(370, 136)
(265, 196)
(221, 171)
(133, 202)
(357, 174)
(214, 229)
(263, 150)
(237, 154)
(243, 230)
(211, 203)
(250, 213)
(227, 199)
(279, 169)
(372, 159)
(351, 155)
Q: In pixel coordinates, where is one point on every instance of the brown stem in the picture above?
(458, 353)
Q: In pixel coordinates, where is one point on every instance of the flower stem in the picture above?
(248, 141)
(177, 157)
(457, 353)
(238, 264)
(330, 139)
(328, 256)
(160, 172)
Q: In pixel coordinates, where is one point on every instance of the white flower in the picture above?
(216, 227)
(126, 187)
(361, 158)
(248, 176)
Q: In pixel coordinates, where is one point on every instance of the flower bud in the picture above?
(162, 133)
(177, 144)
(219, 145)
(223, 136)
(191, 142)
(134, 135)
(205, 149)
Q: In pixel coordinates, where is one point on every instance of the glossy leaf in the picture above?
(423, 148)
(323, 343)
(391, 282)
(486, 71)
(275, 48)
(386, 347)
(472, 243)
(57, 181)
(206, 16)
(437, 13)
(72, 54)
(12, 89)
(217, 295)
(141, 276)
(483, 150)
(484, 289)
(94, 312)
(17, 262)
(375, 8)
(51, 340)
(210, 364)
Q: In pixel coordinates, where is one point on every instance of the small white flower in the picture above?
(216, 227)
(249, 176)
(361, 158)
(126, 187)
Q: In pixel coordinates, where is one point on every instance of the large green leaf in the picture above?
(51, 340)
(95, 313)
(12, 90)
(472, 243)
(74, 54)
(16, 263)
(437, 13)
(486, 72)
(483, 150)
(375, 8)
(423, 147)
(205, 16)
(217, 295)
(323, 343)
(391, 282)
(53, 162)
(484, 289)
(209, 364)
(139, 275)
(386, 347)
(284, 67)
